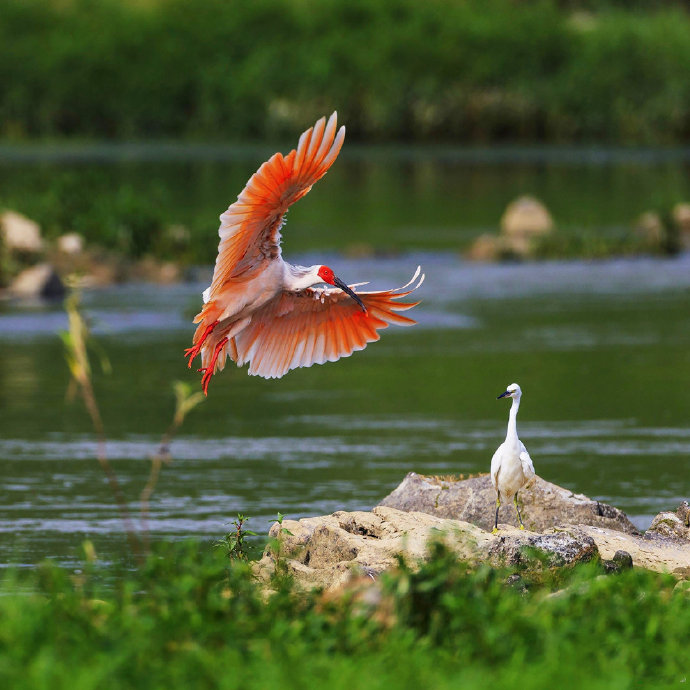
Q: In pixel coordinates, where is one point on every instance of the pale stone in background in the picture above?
(20, 234)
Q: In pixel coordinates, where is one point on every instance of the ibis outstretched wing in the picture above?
(250, 228)
(313, 326)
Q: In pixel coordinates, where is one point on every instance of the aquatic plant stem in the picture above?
(185, 401)
(77, 359)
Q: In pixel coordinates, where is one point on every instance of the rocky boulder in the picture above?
(543, 505)
(671, 525)
(332, 550)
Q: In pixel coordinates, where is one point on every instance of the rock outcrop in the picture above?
(564, 528)
(331, 550)
(543, 505)
(671, 525)
(649, 551)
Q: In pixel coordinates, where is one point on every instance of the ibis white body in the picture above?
(511, 465)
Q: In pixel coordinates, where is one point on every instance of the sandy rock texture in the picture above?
(543, 505)
(564, 528)
(331, 550)
(650, 551)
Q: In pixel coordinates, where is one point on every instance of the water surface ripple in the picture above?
(600, 349)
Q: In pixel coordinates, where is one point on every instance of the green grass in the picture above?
(190, 618)
(461, 70)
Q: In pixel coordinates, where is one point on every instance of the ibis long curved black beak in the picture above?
(503, 395)
(339, 284)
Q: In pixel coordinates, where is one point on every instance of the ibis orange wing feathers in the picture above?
(313, 326)
(250, 228)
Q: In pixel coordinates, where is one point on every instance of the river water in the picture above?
(601, 350)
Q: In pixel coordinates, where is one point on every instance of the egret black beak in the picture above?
(503, 395)
(339, 284)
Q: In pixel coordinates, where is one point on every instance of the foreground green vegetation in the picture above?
(466, 70)
(191, 618)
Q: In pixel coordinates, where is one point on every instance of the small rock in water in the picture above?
(525, 219)
(20, 234)
(70, 243)
(681, 217)
(650, 228)
(38, 281)
(486, 247)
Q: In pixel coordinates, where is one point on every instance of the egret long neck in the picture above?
(512, 421)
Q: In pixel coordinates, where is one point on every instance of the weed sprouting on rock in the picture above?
(234, 542)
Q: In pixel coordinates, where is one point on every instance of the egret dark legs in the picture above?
(498, 505)
(515, 501)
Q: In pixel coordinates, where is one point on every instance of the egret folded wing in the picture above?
(527, 464)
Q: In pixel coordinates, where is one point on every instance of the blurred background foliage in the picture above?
(453, 70)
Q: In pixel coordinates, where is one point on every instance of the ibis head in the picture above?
(326, 275)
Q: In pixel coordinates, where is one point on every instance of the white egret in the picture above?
(511, 465)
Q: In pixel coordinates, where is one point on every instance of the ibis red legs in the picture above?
(192, 352)
(210, 369)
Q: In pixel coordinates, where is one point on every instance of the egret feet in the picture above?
(494, 530)
(522, 527)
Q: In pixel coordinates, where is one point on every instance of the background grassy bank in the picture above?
(190, 618)
(386, 199)
(466, 70)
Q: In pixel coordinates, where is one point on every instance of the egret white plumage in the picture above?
(264, 311)
(511, 465)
